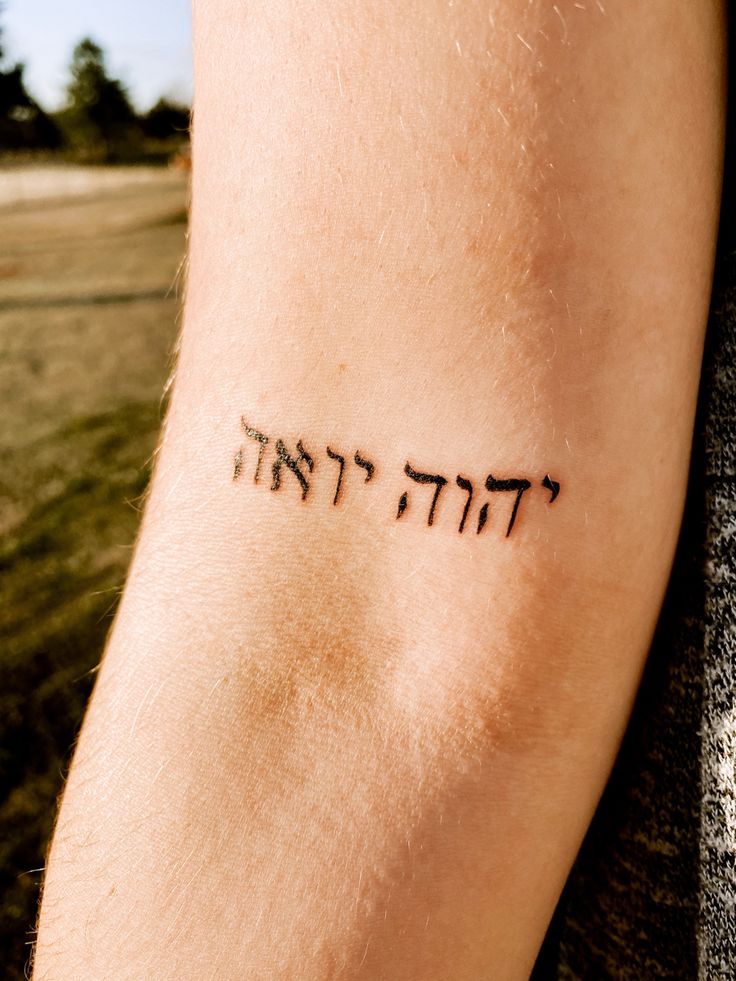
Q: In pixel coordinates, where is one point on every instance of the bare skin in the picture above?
(326, 742)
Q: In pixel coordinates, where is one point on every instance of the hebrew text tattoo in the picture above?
(294, 464)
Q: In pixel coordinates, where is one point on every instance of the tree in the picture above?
(98, 118)
(23, 123)
(166, 120)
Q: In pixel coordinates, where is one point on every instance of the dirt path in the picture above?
(19, 185)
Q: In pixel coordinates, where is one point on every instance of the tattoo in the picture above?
(369, 468)
(482, 518)
(302, 465)
(292, 462)
(263, 440)
(238, 463)
(519, 486)
(341, 459)
(465, 484)
(427, 478)
(551, 485)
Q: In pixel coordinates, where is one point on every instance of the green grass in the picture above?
(80, 389)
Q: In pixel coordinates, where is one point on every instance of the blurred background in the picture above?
(94, 161)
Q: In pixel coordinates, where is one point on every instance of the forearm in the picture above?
(331, 737)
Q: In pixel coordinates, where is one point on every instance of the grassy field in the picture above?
(88, 320)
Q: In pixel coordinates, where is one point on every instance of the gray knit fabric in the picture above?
(717, 927)
(653, 891)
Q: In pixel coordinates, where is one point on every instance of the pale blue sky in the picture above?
(147, 43)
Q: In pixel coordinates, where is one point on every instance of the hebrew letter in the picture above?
(482, 518)
(425, 478)
(403, 503)
(292, 463)
(366, 465)
(465, 484)
(519, 486)
(238, 463)
(336, 456)
(551, 485)
(263, 440)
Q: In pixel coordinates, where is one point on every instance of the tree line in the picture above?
(97, 122)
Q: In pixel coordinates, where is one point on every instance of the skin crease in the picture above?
(475, 237)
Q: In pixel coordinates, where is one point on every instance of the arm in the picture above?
(327, 740)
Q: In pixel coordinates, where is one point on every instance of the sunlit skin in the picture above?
(326, 742)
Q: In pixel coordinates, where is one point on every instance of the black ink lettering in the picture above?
(366, 465)
(336, 456)
(551, 485)
(292, 463)
(263, 440)
(427, 478)
(238, 463)
(465, 484)
(520, 486)
(301, 465)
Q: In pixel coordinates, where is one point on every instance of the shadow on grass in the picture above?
(89, 300)
(61, 566)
